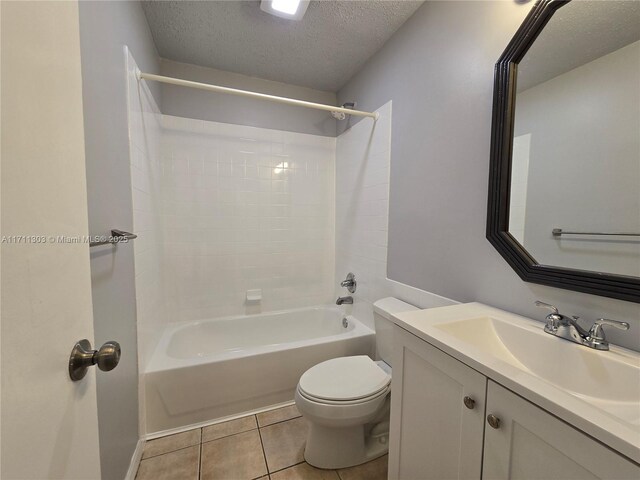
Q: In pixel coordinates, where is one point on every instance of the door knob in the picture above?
(469, 402)
(493, 421)
(82, 357)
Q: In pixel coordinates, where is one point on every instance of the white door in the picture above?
(525, 442)
(49, 423)
(437, 414)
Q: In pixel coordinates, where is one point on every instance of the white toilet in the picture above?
(346, 400)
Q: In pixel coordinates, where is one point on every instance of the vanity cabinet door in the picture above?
(433, 434)
(530, 443)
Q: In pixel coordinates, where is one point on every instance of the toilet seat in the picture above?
(344, 381)
(358, 401)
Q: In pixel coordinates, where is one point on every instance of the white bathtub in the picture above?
(210, 369)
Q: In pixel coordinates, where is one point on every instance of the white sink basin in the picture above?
(596, 391)
(609, 379)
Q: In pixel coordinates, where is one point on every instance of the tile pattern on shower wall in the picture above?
(363, 156)
(146, 175)
(245, 208)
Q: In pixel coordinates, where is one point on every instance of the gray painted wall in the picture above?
(105, 27)
(438, 70)
(203, 105)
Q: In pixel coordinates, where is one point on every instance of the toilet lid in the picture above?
(344, 378)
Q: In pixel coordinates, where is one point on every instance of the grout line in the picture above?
(290, 466)
(202, 440)
(264, 454)
(200, 457)
(279, 421)
(168, 452)
(230, 435)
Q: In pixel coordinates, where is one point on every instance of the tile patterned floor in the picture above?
(266, 446)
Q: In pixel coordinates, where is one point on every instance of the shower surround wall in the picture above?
(363, 156)
(245, 208)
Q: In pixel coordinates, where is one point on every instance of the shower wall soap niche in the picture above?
(254, 296)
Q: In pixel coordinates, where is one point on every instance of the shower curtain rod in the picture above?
(246, 93)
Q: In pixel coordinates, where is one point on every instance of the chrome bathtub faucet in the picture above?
(344, 300)
(569, 329)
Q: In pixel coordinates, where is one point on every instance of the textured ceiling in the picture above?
(578, 33)
(322, 51)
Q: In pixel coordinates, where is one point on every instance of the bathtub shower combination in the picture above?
(240, 253)
(210, 369)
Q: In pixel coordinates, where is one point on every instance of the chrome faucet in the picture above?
(344, 300)
(569, 329)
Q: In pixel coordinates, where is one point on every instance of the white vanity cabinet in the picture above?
(530, 443)
(437, 434)
(433, 434)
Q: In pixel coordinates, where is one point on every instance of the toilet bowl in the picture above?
(346, 401)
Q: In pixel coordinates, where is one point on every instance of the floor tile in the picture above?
(304, 471)
(373, 470)
(171, 443)
(238, 457)
(244, 424)
(284, 443)
(182, 464)
(277, 415)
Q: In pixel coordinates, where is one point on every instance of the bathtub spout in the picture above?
(344, 300)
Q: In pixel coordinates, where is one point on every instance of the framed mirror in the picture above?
(564, 186)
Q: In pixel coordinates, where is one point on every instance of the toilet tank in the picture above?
(382, 311)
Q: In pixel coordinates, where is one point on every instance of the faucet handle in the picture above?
(349, 283)
(548, 306)
(596, 332)
(554, 319)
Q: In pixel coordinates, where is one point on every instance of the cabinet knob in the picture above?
(493, 421)
(469, 402)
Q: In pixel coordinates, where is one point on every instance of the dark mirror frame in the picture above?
(504, 93)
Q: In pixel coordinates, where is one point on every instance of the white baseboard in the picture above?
(135, 460)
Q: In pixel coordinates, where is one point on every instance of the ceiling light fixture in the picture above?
(286, 6)
(291, 9)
